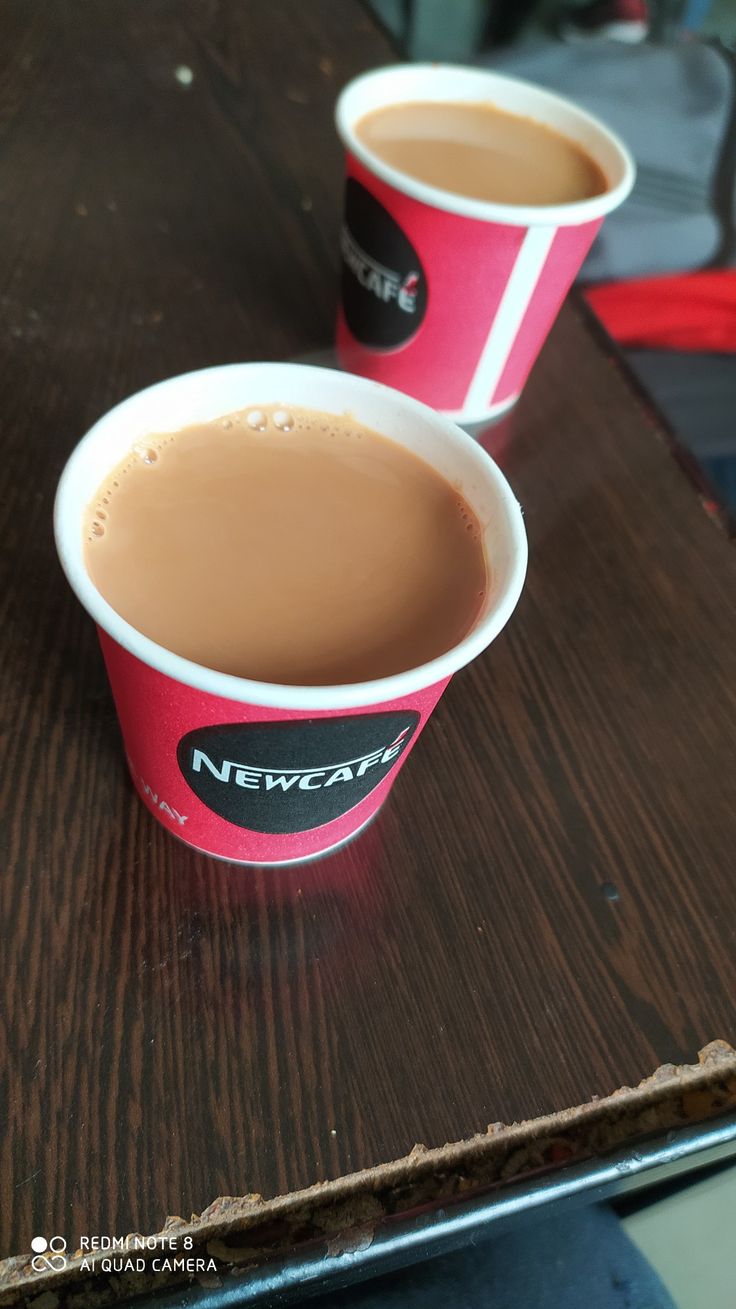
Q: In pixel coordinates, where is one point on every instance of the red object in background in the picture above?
(614, 20)
(689, 311)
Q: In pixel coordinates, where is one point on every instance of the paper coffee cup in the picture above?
(256, 772)
(446, 298)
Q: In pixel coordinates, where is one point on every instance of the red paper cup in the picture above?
(256, 772)
(447, 298)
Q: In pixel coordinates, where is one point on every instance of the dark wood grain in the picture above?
(174, 1029)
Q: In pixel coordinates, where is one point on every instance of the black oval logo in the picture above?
(384, 287)
(293, 776)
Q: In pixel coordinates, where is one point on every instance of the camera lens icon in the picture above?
(48, 1255)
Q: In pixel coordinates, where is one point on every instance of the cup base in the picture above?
(327, 358)
(468, 420)
(276, 863)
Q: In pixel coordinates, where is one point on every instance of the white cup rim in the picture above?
(483, 82)
(69, 505)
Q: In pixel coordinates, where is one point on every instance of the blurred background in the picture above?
(663, 74)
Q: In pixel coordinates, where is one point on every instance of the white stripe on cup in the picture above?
(515, 300)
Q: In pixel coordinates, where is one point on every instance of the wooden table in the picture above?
(544, 911)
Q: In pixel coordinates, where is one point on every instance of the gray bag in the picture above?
(673, 105)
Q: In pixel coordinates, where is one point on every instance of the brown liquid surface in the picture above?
(481, 152)
(319, 555)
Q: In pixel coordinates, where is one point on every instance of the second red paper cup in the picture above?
(448, 298)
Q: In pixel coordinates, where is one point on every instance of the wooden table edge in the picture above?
(338, 1220)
